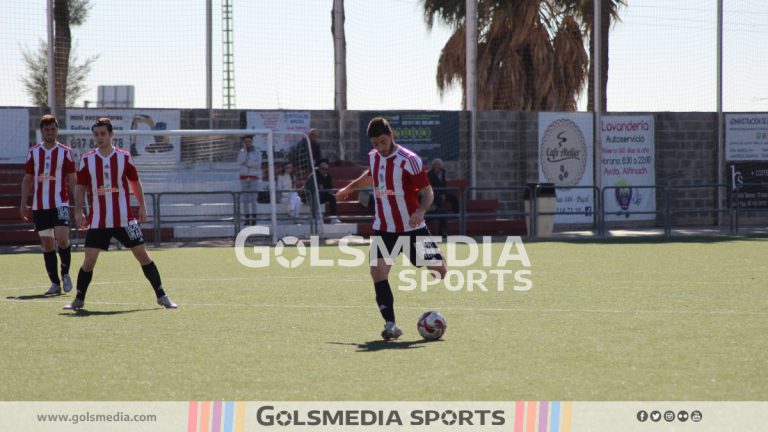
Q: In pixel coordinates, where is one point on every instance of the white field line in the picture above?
(65, 300)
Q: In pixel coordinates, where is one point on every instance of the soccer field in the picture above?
(633, 320)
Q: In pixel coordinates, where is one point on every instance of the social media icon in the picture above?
(682, 416)
(642, 416)
(655, 416)
(669, 416)
(696, 416)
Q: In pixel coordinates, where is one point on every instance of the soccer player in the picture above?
(105, 173)
(48, 173)
(398, 177)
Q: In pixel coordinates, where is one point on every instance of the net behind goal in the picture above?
(196, 187)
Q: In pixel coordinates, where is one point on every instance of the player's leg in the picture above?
(132, 238)
(61, 233)
(96, 240)
(44, 225)
(423, 252)
(244, 202)
(84, 277)
(380, 275)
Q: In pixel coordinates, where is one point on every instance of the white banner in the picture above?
(628, 160)
(565, 159)
(14, 135)
(144, 149)
(286, 126)
(231, 416)
(746, 137)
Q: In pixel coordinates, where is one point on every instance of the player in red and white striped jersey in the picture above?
(403, 195)
(106, 173)
(48, 174)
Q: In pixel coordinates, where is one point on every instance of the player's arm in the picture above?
(79, 203)
(26, 187)
(138, 192)
(365, 180)
(72, 183)
(425, 202)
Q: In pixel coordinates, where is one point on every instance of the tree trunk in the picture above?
(605, 23)
(61, 48)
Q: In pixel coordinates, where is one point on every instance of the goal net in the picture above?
(202, 184)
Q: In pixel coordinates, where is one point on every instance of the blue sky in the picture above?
(663, 54)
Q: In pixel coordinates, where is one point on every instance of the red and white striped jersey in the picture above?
(397, 179)
(106, 181)
(50, 169)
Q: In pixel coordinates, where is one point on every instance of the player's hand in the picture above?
(343, 193)
(417, 218)
(80, 220)
(142, 214)
(24, 212)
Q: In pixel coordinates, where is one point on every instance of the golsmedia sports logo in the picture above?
(472, 265)
(268, 415)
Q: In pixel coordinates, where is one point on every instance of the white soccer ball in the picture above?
(431, 325)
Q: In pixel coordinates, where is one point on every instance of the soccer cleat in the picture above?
(76, 304)
(66, 283)
(166, 302)
(55, 289)
(391, 331)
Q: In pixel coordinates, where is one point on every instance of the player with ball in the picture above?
(397, 176)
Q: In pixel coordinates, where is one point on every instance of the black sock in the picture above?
(83, 280)
(50, 267)
(150, 271)
(66, 259)
(385, 300)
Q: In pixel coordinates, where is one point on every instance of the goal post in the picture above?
(189, 161)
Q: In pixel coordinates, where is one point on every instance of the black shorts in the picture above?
(418, 246)
(50, 218)
(100, 238)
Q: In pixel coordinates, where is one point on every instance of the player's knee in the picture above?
(439, 271)
(62, 243)
(88, 265)
(47, 243)
(378, 273)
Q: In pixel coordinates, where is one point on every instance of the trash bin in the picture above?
(546, 202)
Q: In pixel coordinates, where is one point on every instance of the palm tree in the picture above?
(69, 76)
(36, 79)
(609, 14)
(530, 53)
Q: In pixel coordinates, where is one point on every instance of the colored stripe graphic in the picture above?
(554, 420)
(543, 412)
(228, 414)
(530, 421)
(192, 418)
(205, 416)
(519, 415)
(567, 413)
(240, 417)
(216, 426)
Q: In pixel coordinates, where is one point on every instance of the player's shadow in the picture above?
(378, 345)
(84, 313)
(33, 297)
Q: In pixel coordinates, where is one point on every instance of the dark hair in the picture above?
(102, 121)
(48, 119)
(246, 136)
(378, 126)
(282, 170)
